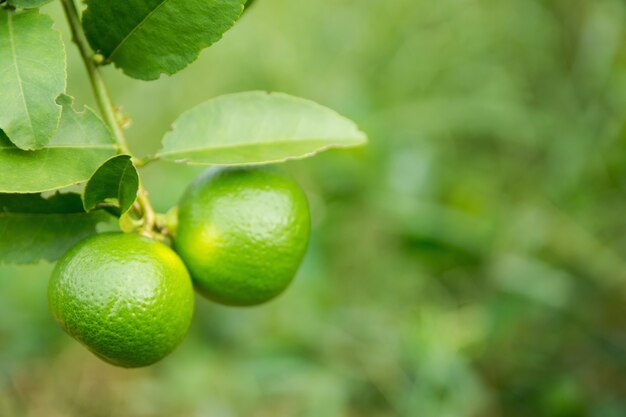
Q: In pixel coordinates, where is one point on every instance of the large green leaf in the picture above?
(149, 37)
(113, 186)
(79, 146)
(256, 127)
(28, 4)
(33, 228)
(32, 75)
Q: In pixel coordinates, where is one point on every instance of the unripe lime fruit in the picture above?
(242, 232)
(127, 298)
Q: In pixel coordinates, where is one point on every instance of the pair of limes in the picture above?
(241, 236)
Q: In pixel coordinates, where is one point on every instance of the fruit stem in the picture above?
(106, 106)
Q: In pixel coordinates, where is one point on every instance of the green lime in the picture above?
(243, 232)
(127, 298)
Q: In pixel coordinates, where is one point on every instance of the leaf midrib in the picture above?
(119, 186)
(24, 214)
(353, 142)
(110, 147)
(133, 30)
(18, 72)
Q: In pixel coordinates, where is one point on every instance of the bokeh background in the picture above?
(471, 261)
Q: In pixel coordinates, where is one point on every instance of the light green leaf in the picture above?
(28, 4)
(33, 228)
(113, 186)
(149, 37)
(78, 148)
(254, 128)
(32, 75)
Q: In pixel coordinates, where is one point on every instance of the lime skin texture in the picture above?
(243, 232)
(127, 298)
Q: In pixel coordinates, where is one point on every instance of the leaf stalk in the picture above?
(107, 108)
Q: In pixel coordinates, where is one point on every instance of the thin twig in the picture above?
(106, 104)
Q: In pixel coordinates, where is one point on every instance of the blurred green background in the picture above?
(471, 261)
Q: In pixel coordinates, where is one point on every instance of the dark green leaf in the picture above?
(256, 127)
(79, 146)
(33, 228)
(149, 37)
(114, 186)
(32, 75)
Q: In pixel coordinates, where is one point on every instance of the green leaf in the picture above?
(28, 4)
(113, 186)
(149, 37)
(33, 228)
(256, 127)
(78, 148)
(32, 75)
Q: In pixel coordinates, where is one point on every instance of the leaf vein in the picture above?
(323, 142)
(136, 28)
(17, 71)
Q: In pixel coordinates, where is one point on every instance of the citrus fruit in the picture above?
(242, 232)
(127, 298)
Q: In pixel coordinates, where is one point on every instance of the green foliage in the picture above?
(149, 38)
(46, 145)
(460, 264)
(256, 127)
(81, 143)
(113, 186)
(32, 58)
(28, 4)
(469, 262)
(35, 228)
